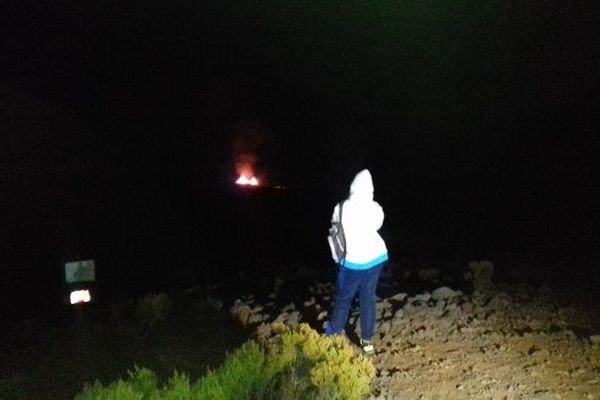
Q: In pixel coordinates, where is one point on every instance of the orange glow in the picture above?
(80, 296)
(247, 177)
(244, 180)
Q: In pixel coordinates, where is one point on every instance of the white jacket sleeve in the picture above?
(378, 216)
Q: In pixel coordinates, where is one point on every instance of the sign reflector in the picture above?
(80, 296)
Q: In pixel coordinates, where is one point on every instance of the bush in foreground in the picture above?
(289, 364)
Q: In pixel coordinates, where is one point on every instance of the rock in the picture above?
(281, 317)
(382, 305)
(255, 318)
(384, 309)
(293, 319)
(309, 302)
(445, 293)
(262, 332)
(321, 315)
(289, 307)
(398, 297)
(240, 312)
(423, 297)
(399, 313)
(257, 309)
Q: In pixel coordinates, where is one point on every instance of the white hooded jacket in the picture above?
(362, 217)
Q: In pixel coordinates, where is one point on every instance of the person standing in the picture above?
(364, 258)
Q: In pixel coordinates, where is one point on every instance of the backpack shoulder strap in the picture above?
(343, 234)
(340, 208)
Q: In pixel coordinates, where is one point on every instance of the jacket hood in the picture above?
(362, 185)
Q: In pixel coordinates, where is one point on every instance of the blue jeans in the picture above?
(350, 281)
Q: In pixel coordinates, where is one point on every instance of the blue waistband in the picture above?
(370, 264)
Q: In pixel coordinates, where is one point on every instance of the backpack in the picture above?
(336, 238)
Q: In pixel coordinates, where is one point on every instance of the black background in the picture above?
(122, 123)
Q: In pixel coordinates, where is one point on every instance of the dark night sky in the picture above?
(478, 119)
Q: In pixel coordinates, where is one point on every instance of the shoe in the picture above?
(367, 346)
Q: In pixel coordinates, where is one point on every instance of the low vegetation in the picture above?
(295, 364)
(52, 358)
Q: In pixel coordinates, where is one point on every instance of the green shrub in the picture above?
(480, 276)
(119, 390)
(145, 382)
(177, 388)
(141, 384)
(210, 387)
(290, 364)
(241, 375)
(307, 365)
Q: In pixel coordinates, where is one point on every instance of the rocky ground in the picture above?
(435, 338)
(517, 342)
